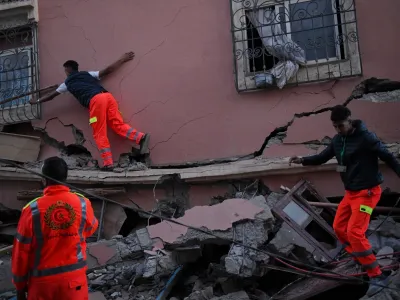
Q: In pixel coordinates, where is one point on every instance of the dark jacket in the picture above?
(84, 87)
(361, 151)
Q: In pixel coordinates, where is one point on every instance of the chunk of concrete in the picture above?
(218, 218)
(286, 239)
(385, 256)
(97, 296)
(388, 294)
(242, 295)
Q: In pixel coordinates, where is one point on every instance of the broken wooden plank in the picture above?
(28, 195)
(21, 148)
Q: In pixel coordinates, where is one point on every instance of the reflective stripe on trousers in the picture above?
(37, 231)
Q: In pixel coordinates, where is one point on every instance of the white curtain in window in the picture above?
(278, 44)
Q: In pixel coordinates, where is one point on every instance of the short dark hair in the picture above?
(340, 113)
(71, 64)
(55, 168)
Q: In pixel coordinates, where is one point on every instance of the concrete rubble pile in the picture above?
(226, 258)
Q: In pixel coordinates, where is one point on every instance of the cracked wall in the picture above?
(180, 86)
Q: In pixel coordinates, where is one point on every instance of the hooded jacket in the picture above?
(359, 153)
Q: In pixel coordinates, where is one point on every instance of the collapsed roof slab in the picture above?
(250, 168)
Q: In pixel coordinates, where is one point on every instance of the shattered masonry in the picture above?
(170, 261)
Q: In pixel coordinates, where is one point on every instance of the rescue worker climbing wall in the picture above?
(49, 252)
(357, 151)
(103, 108)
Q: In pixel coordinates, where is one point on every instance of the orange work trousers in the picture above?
(62, 288)
(351, 222)
(103, 112)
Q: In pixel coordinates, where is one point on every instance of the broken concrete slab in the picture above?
(246, 221)
(218, 218)
(17, 147)
(112, 251)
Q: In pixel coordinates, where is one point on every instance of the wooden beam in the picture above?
(29, 195)
(17, 147)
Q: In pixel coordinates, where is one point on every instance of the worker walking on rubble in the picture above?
(103, 108)
(357, 151)
(49, 252)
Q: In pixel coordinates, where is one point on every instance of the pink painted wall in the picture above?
(180, 86)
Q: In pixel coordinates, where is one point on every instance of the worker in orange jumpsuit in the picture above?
(103, 108)
(49, 252)
(357, 151)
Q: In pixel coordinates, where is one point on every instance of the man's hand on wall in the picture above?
(128, 56)
(295, 160)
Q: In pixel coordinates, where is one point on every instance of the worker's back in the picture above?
(62, 218)
(49, 253)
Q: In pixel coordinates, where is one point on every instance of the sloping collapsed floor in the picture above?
(252, 246)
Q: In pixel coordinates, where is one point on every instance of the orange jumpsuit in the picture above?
(103, 111)
(351, 222)
(49, 253)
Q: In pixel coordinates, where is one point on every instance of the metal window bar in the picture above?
(19, 73)
(326, 30)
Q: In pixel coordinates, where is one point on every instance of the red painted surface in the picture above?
(216, 217)
(180, 86)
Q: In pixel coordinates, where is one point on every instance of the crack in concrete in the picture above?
(137, 64)
(175, 16)
(147, 106)
(357, 93)
(76, 26)
(76, 132)
(180, 127)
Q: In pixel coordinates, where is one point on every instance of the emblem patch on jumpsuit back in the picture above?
(59, 216)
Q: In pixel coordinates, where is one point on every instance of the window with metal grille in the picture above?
(285, 42)
(18, 74)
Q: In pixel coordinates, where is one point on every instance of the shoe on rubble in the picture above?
(377, 284)
(144, 144)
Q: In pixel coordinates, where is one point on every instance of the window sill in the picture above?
(19, 114)
(311, 73)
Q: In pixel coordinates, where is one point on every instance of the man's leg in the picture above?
(98, 121)
(341, 221)
(61, 289)
(117, 123)
(362, 205)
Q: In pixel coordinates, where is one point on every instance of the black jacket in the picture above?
(360, 156)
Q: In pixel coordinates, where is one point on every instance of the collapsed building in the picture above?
(258, 228)
(257, 245)
(250, 242)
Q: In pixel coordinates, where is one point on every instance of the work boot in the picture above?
(377, 284)
(108, 168)
(144, 144)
